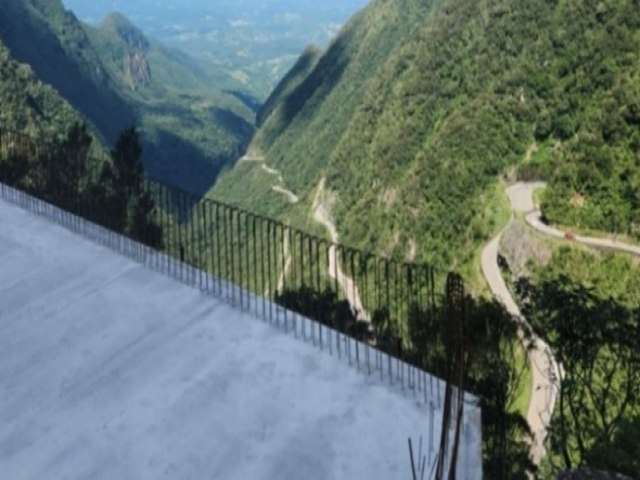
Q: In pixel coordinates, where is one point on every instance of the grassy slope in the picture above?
(416, 110)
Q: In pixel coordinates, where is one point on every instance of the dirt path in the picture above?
(254, 156)
(322, 215)
(292, 197)
(544, 367)
(251, 156)
(273, 171)
(281, 188)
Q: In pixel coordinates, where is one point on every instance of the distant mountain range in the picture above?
(114, 76)
(253, 42)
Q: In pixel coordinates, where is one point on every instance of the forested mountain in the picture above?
(53, 43)
(28, 105)
(408, 127)
(419, 107)
(116, 77)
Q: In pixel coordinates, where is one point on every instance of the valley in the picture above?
(249, 44)
(115, 77)
(499, 140)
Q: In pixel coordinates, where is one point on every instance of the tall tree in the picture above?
(58, 170)
(493, 374)
(596, 341)
(132, 206)
(127, 172)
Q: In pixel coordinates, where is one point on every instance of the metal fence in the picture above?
(387, 318)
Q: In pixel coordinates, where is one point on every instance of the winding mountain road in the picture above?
(281, 188)
(321, 215)
(544, 367)
(254, 156)
(292, 197)
(521, 197)
(546, 370)
(534, 221)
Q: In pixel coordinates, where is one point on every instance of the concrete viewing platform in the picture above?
(111, 370)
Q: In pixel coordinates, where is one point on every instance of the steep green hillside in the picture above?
(116, 77)
(141, 64)
(184, 118)
(298, 73)
(43, 35)
(418, 108)
(28, 105)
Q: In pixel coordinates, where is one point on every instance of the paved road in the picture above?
(534, 220)
(521, 196)
(545, 369)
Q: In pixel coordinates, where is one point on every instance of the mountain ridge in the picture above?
(28, 105)
(116, 77)
(449, 107)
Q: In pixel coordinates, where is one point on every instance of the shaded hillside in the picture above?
(116, 77)
(419, 107)
(139, 63)
(298, 73)
(186, 121)
(43, 35)
(28, 105)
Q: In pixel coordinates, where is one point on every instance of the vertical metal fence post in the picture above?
(284, 232)
(262, 279)
(227, 229)
(257, 293)
(240, 281)
(207, 246)
(270, 240)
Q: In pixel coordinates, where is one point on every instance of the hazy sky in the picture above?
(256, 39)
(180, 11)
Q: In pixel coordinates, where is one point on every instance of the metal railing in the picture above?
(389, 319)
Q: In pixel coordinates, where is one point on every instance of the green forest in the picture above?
(418, 108)
(414, 119)
(114, 76)
(420, 112)
(28, 105)
(592, 321)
